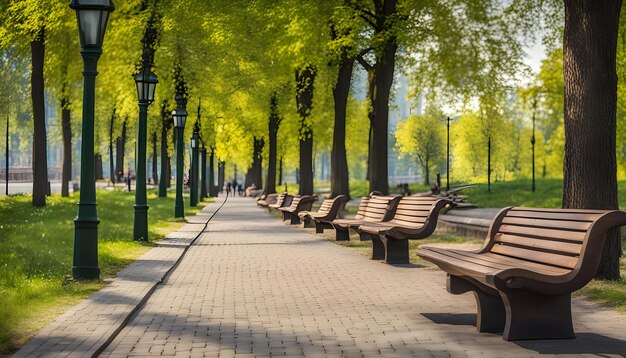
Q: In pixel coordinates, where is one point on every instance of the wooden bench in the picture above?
(282, 200)
(373, 209)
(414, 218)
(327, 212)
(298, 204)
(531, 262)
(266, 199)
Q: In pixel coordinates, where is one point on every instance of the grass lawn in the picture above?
(36, 254)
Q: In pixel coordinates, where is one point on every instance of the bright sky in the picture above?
(534, 55)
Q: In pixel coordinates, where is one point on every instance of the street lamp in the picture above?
(180, 117)
(448, 153)
(92, 17)
(193, 200)
(146, 84)
(203, 181)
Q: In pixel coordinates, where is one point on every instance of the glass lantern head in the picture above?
(92, 16)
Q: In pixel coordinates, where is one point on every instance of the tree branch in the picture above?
(364, 63)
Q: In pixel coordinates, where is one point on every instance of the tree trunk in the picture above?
(280, 171)
(339, 175)
(40, 158)
(220, 175)
(120, 146)
(489, 164)
(165, 160)
(589, 167)
(384, 69)
(257, 173)
(155, 157)
(371, 90)
(98, 162)
(66, 128)
(212, 174)
(304, 103)
(111, 161)
(274, 123)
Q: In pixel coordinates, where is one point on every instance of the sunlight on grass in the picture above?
(36, 254)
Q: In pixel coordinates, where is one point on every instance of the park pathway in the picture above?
(251, 286)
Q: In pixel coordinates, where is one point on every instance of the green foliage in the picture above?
(36, 254)
(423, 139)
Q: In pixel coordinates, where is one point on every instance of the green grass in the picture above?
(36, 255)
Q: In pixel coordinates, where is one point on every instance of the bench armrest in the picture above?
(523, 279)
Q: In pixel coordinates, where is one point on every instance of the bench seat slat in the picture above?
(543, 244)
(549, 210)
(554, 216)
(578, 236)
(554, 224)
(536, 256)
(500, 262)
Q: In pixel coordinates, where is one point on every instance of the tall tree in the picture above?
(304, 102)
(589, 168)
(40, 143)
(273, 125)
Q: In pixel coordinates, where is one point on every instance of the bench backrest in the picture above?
(379, 208)
(553, 237)
(280, 199)
(360, 214)
(327, 204)
(414, 211)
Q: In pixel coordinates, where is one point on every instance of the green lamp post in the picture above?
(146, 82)
(203, 181)
(193, 192)
(180, 117)
(92, 16)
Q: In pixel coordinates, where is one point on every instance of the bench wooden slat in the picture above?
(423, 213)
(551, 210)
(556, 224)
(554, 216)
(536, 256)
(548, 233)
(409, 219)
(500, 262)
(533, 243)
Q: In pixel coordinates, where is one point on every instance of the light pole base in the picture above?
(140, 229)
(85, 261)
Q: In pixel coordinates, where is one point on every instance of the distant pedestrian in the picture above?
(228, 186)
(240, 189)
(128, 179)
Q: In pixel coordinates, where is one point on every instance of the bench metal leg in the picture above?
(533, 316)
(396, 251)
(294, 219)
(307, 222)
(319, 227)
(285, 215)
(378, 248)
(490, 315)
(365, 237)
(342, 234)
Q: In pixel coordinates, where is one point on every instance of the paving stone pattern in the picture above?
(87, 327)
(252, 286)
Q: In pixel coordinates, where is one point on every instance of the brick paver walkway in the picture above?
(253, 286)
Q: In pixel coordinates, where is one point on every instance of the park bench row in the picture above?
(522, 278)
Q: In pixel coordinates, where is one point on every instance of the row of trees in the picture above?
(274, 79)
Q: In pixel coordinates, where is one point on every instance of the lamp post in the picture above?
(193, 192)
(146, 84)
(203, 191)
(180, 117)
(532, 141)
(92, 17)
(448, 157)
